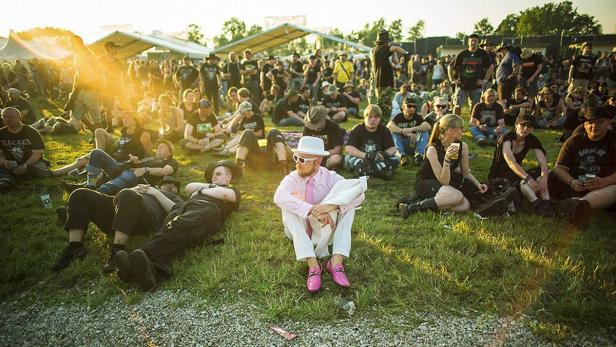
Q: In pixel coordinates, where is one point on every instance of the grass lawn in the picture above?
(451, 263)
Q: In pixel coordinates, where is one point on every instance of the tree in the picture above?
(508, 25)
(549, 19)
(395, 30)
(234, 29)
(416, 31)
(460, 36)
(483, 27)
(194, 33)
(367, 34)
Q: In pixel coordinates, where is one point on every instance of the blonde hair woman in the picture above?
(444, 181)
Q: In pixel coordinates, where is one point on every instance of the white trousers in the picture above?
(295, 228)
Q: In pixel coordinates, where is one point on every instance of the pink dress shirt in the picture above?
(290, 194)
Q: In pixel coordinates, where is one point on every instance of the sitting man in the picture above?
(585, 172)
(273, 155)
(202, 132)
(245, 119)
(134, 210)
(304, 196)
(336, 104)
(22, 104)
(128, 173)
(354, 99)
(406, 128)
(370, 147)
(21, 151)
(188, 224)
(317, 125)
(285, 113)
(487, 119)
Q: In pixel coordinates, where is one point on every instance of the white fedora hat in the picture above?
(311, 145)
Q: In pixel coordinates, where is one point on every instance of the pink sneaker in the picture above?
(340, 278)
(314, 279)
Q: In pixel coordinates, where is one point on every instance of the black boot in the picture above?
(121, 262)
(494, 207)
(73, 251)
(577, 211)
(420, 205)
(142, 270)
(109, 267)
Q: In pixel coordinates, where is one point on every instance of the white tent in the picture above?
(279, 35)
(16, 48)
(133, 43)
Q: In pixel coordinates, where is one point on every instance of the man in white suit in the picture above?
(309, 219)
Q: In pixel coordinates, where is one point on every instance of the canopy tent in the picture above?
(16, 48)
(133, 43)
(277, 36)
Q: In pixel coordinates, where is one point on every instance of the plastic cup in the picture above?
(457, 146)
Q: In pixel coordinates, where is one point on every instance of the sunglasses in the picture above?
(441, 106)
(302, 160)
(411, 105)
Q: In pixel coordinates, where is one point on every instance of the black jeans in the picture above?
(188, 225)
(257, 158)
(126, 212)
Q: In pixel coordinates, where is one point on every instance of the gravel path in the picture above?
(166, 318)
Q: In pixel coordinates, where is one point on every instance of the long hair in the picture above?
(446, 122)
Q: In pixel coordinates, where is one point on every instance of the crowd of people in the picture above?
(139, 111)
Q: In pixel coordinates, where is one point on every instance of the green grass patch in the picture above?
(432, 261)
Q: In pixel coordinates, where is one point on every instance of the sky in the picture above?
(447, 17)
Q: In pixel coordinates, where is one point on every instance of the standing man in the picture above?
(507, 73)
(382, 69)
(87, 83)
(114, 90)
(343, 71)
(312, 77)
(301, 196)
(585, 172)
(188, 224)
(186, 76)
(582, 68)
(21, 151)
(210, 76)
(532, 64)
(231, 71)
(250, 75)
(297, 72)
(469, 71)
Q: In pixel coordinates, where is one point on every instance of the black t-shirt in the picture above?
(254, 123)
(471, 66)
(301, 105)
(403, 122)
(280, 110)
(187, 75)
(188, 114)
(202, 126)
(234, 70)
(354, 94)
(513, 102)
(328, 74)
(340, 101)
(129, 144)
(18, 147)
(331, 134)
(583, 156)
(488, 115)
(208, 73)
(366, 141)
(499, 167)
(431, 118)
(155, 163)
(529, 66)
(583, 66)
(279, 78)
(383, 72)
(226, 207)
(425, 170)
(298, 68)
(312, 74)
(251, 65)
(23, 105)
(267, 83)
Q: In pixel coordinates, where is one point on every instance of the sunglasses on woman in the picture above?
(302, 160)
(441, 106)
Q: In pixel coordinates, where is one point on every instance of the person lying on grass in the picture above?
(444, 180)
(136, 210)
(301, 197)
(129, 173)
(585, 173)
(511, 149)
(188, 224)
